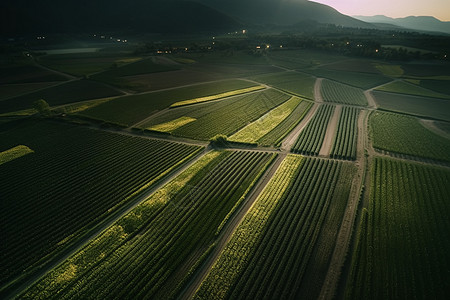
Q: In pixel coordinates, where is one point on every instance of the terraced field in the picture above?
(74, 178)
(401, 248)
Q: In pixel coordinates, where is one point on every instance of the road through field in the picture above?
(345, 231)
(331, 132)
(97, 230)
(230, 228)
(317, 88)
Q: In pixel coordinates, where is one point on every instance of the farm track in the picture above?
(230, 228)
(344, 236)
(331, 133)
(97, 230)
(317, 88)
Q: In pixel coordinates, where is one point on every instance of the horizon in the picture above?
(440, 9)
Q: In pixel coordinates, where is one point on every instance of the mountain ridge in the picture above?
(421, 23)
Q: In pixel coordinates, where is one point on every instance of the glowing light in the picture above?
(376, 50)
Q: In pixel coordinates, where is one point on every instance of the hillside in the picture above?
(20, 17)
(422, 23)
(284, 12)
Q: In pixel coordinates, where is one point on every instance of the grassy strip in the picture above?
(172, 125)
(256, 130)
(218, 96)
(114, 236)
(13, 153)
(235, 255)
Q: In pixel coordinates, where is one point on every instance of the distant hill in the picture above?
(283, 12)
(161, 16)
(423, 23)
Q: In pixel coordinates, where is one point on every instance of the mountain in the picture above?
(423, 23)
(283, 12)
(19, 17)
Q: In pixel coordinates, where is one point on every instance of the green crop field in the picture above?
(271, 254)
(14, 90)
(347, 134)
(402, 249)
(214, 118)
(355, 79)
(439, 86)
(275, 136)
(74, 91)
(132, 109)
(310, 139)
(340, 93)
(75, 177)
(292, 82)
(259, 128)
(403, 87)
(404, 134)
(156, 258)
(414, 105)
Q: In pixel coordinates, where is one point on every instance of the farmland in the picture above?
(347, 134)
(340, 93)
(74, 91)
(419, 106)
(157, 257)
(132, 109)
(241, 164)
(256, 130)
(303, 200)
(393, 132)
(62, 198)
(311, 138)
(292, 82)
(401, 248)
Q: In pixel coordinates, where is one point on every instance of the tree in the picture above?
(42, 107)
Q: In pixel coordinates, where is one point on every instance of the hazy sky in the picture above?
(392, 8)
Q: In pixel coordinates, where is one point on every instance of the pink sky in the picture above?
(392, 8)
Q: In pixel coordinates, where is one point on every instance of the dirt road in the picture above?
(331, 132)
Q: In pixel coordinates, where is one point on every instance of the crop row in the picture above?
(311, 138)
(275, 136)
(402, 250)
(406, 135)
(340, 93)
(223, 117)
(292, 220)
(74, 178)
(347, 134)
(159, 256)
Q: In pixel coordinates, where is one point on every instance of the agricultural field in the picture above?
(402, 249)
(13, 90)
(292, 82)
(299, 59)
(131, 109)
(406, 135)
(340, 93)
(311, 138)
(66, 179)
(344, 145)
(402, 87)
(439, 86)
(256, 130)
(156, 258)
(276, 135)
(73, 91)
(285, 242)
(355, 79)
(27, 73)
(414, 105)
(83, 64)
(212, 119)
